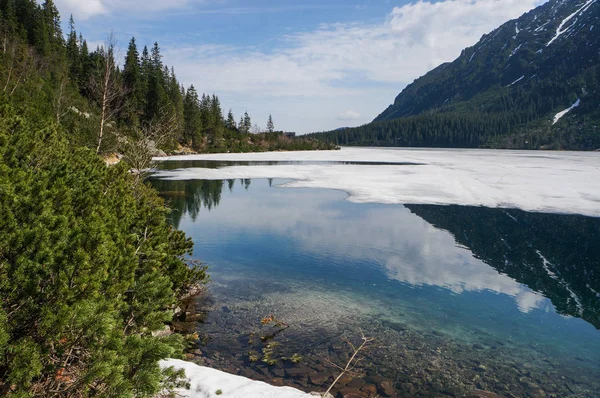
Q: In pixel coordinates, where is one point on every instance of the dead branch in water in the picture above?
(352, 362)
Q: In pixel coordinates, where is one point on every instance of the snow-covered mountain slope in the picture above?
(555, 42)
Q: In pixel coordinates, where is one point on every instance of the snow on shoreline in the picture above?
(205, 382)
(541, 181)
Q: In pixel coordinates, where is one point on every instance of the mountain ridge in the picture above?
(505, 90)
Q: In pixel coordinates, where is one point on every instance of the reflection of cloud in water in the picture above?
(408, 248)
(458, 276)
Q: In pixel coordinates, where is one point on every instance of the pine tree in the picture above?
(192, 132)
(217, 119)
(205, 114)
(73, 57)
(132, 81)
(53, 27)
(176, 99)
(247, 124)
(270, 125)
(230, 122)
(155, 96)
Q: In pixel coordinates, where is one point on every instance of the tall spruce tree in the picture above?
(247, 123)
(217, 119)
(205, 114)
(192, 132)
(75, 66)
(132, 81)
(155, 95)
(230, 121)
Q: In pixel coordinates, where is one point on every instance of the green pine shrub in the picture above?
(89, 268)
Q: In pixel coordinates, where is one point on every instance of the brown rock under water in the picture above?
(483, 394)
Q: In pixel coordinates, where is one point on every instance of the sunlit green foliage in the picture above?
(89, 268)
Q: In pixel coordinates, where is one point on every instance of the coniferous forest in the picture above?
(110, 107)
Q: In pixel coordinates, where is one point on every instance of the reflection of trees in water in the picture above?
(189, 197)
(556, 255)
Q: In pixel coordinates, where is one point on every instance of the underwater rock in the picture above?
(356, 383)
(299, 372)
(352, 393)
(386, 388)
(483, 394)
(319, 378)
(370, 389)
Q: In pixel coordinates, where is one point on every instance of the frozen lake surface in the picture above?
(551, 182)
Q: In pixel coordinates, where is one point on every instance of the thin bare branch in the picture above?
(352, 362)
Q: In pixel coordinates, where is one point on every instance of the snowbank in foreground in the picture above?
(205, 382)
(556, 182)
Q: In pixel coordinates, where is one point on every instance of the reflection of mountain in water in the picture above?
(556, 255)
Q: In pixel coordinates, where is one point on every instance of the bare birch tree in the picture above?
(60, 99)
(18, 62)
(107, 90)
(139, 148)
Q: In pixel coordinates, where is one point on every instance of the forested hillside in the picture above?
(507, 91)
(91, 271)
(112, 107)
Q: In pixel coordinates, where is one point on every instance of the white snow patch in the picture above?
(593, 291)
(205, 382)
(560, 30)
(541, 181)
(472, 55)
(545, 264)
(541, 27)
(515, 50)
(516, 81)
(564, 284)
(559, 115)
(512, 217)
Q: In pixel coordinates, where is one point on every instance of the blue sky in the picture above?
(314, 65)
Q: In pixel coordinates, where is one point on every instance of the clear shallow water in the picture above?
(457, 298)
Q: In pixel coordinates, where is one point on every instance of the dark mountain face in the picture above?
(506, 90)
(556, 40)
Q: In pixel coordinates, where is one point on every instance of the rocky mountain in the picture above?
(531, 83)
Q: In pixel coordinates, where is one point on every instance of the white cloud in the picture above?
(84, 9)
(81, 10)
(313, 77)
(349, 115)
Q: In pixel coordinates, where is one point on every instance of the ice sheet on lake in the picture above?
(205, 382)
(555, 182)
